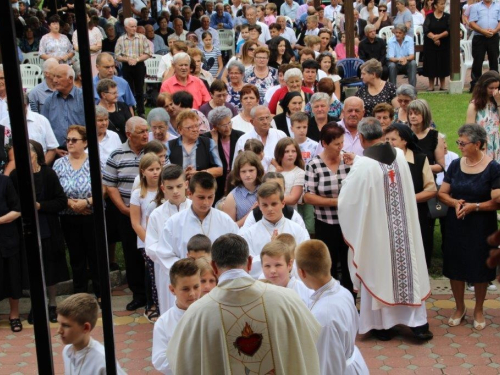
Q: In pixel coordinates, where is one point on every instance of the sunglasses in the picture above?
(72, 140)
(382, 10)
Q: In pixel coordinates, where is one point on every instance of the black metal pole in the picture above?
(29, 216)
(96, 178)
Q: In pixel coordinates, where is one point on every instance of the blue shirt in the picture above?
(394, 49)
(38, 95)
(226, 21)
(64, 112)
(289, 11)
(484, 17)
(124, 92)
(244, 200)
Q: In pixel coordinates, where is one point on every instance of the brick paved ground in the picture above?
(457, 350)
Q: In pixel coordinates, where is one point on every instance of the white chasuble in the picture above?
(379, 219)
(247, 327)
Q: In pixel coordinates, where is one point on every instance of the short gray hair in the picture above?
(369, 28)
(101, 111)
(474, 132)
(180, 56)
(128, 21)
(255, 109)
(76, 69)
(47, 64)
(203, 17)
(401, 27)
(158, 114)
(133, 122)
(108, 25)
(370, 128)
(319, 96)
(216, 115)
(407, 90)
(236, 64)
(294, 72)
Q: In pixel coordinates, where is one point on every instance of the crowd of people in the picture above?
(255, 173)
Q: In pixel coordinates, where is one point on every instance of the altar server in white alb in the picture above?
(200, 218)
(185, 284)
(173, 186)
(333, 306)
(277, 264)
(271, 199)
(244, 326)
(379, 219)
(77, 317)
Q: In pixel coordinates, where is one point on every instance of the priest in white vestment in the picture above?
(379, 219)
(244, 326)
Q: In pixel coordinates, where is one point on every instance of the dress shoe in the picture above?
(422, 332)
(135, 304)
(456, 322)
(53, 314)
(382, 334)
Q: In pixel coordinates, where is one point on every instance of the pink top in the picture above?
(194, 86)
(341, 53)
(268, 20)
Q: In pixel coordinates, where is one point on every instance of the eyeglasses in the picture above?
(462, 144)
(261, 57)
(73, 140)
(225, 126)
(192, 127)
(400, 101)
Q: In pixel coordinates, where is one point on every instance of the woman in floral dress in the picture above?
(260, 74)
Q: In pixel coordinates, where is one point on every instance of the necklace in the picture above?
(473, 165)
(83, 361)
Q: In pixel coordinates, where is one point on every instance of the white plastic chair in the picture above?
(226, 41)
(466, 60)
(464, 32)
(419, 41)
(152, 69)
(30, 75)
(289, 21)
(386, 33)
(33, 58)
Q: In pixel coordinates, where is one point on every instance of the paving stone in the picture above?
(386, 368)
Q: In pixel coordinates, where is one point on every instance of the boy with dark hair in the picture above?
(199, 246)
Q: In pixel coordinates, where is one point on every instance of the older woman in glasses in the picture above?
(261, 74)
(471, 188)
(404, 95)
(119, 112)
(158, 121)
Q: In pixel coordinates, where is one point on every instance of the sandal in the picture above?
(153, 316)
(16, 325)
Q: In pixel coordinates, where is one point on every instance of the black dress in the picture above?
(436, 58)
(428, 145)
(313, 131)
(385, 95)
(466, 250)
(118, 118)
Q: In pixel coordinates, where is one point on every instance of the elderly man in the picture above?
(132, 49)
(106, 70)
(205, 26)
(387, 260)
(42, 91)
(261, 120)
(190, 23)
(183, 81)
(239, 340)
(332, 10)
(107, 17)
(251, 16)
(179, 32)
(158, 42)
(141, 30)
(64, 107)
(484, 19)
(118, 176)
(401, 55)
(289, 9)
(373, 47)
(286, 32)
(39, 130)
(221, 20)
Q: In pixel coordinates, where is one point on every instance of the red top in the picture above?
(280, 94)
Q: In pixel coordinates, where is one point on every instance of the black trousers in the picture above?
(481, 46)
(134, 262)
(80, 239)
(134, 75)
(331, 235)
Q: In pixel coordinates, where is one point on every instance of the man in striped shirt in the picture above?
(118, 176)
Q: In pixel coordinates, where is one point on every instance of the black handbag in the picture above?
(437, 208)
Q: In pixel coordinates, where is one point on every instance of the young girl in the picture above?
(340, 50)
(270, 11)
(247, 176)
(213, 57)
(261, 13)
(208, 278)
(257, 147)
(149, 174)
(327, 63)
(288, 156)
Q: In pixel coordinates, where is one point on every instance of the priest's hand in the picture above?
(349, 157)
(494, 259)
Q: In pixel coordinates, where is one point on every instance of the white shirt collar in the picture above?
(233, 274)
(318, 293)
(272, 226)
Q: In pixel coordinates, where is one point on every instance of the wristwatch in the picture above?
(477, 206)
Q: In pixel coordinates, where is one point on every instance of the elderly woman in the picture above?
(293, 81)
(327, 86)
(54, 44)
(320, 103)
(77, 220)
(249, 95)
(164, 100)
(192, 152)
(404, 95)
(50, 200)
(119, 112)
(384, 113)
(291, 103)
(95, 43)
(375, 90)
(403, 16)
(235, 72)
(471, 188)
(323, 180)
(419, 115)
(261, 74)
(158, 120)
(401, 136)
(225, 137)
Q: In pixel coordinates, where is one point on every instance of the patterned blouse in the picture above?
(76, 184)
(55, 47)
(233, 97)
(263, 84)
(320, 180)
